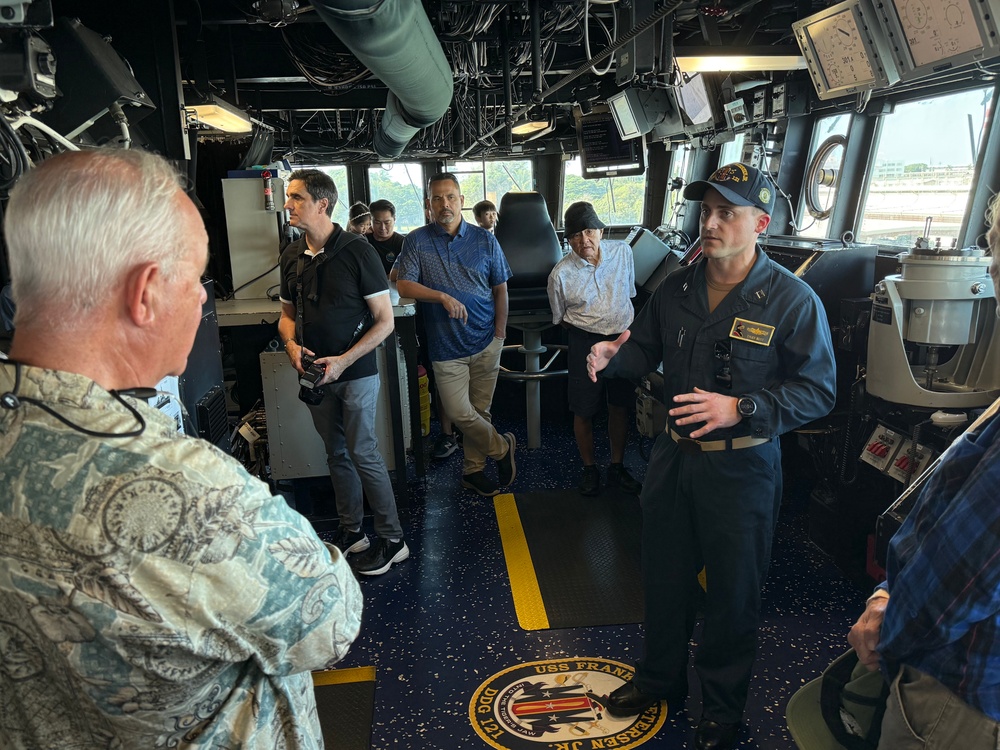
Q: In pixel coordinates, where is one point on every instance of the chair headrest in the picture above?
(527, 238)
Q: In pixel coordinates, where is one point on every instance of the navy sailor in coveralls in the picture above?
(747, 356)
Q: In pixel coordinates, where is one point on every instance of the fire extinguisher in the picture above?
(268, 192)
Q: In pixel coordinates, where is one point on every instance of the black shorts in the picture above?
(586, 397)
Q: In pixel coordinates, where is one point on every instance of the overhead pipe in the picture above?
(394, 39)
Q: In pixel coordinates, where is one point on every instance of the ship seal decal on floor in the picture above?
(559, 704)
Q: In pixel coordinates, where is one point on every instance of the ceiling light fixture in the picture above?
(533, 124)
(718, 59)
(217, 113)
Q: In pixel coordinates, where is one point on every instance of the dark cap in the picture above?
(581, 215)
(739, 184)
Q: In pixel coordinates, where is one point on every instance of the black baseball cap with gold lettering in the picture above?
(739, 184)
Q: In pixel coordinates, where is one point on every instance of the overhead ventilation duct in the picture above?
(395, 40)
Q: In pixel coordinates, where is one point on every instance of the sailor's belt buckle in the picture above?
(688, 445)
(692, 446)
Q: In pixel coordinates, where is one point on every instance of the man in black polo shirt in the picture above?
(335, 306)
(384, 237)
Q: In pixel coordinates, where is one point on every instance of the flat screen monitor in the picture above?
(929, 36)
(698, 97)
(603, 152)
(637, 111)
(845, 50)
(626, 114)
(648, 253)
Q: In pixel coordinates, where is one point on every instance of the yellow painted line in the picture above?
(523, 583)
(343, 676)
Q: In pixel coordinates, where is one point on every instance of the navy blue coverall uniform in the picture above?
(769, 339)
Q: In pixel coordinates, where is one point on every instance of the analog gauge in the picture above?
(954, 16)
(915, 14)
(938, 30)
(840, 53)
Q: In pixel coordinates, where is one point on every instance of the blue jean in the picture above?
(345, 419)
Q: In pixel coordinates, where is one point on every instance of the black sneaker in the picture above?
(444, 446)
(479, 482)
(348, 541)
(380, 558)
(506, 466)
(618, 475)
(590, 481)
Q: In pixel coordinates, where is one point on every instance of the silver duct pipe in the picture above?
(394, 39)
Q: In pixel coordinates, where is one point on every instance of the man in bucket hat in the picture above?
(590, 292)
(747, 356)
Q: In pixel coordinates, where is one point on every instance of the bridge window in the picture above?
(923, 168)
(733, 150)
(490, 180)
(402, 184)
(339, 175)
(618, 200)
(680, 175)
(826, 155)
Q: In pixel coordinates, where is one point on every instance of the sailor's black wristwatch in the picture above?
(746, 406)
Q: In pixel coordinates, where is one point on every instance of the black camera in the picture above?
(313, 372)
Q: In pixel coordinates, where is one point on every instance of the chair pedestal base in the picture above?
(533, 374)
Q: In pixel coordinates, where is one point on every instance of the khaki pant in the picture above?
(922, 713)
(466, 387)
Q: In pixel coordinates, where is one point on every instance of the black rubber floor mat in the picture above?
(345, 701)
(573, 561)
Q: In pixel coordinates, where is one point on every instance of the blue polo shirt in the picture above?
(467, 267)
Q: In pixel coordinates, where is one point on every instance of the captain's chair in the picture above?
(526, 235)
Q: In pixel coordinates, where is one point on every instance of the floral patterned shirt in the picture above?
(152, 593)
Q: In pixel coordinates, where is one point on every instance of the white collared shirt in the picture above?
(595, 298)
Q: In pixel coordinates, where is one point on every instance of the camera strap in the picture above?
(342, 238)
(300, 266)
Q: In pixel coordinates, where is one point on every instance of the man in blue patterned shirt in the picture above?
(458, 274)
(938, 636)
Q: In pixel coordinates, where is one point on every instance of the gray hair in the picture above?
(79, 221)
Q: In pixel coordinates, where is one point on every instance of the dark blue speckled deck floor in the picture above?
(439, 624)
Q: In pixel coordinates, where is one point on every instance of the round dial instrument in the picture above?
(840, 53)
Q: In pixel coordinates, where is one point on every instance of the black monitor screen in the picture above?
(603, 153)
